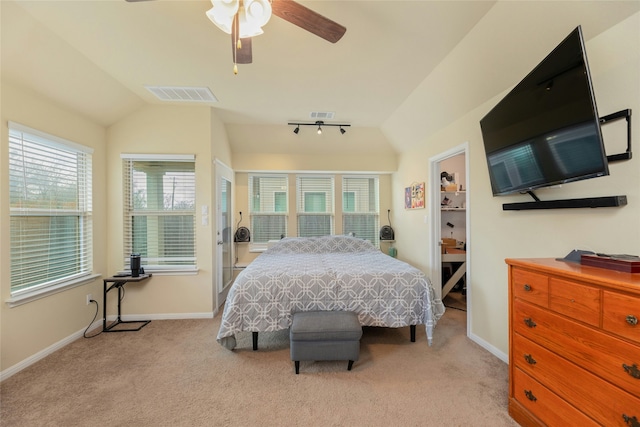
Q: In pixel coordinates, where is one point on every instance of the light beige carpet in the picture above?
(174, 373)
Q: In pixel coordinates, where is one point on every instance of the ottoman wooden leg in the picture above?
(350, 365)
(297, 363)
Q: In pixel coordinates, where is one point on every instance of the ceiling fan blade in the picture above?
(242, 55)
(307, 19)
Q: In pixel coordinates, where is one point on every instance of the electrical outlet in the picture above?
(89, 298)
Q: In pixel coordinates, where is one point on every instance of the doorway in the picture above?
(224, 235)
(448, 194)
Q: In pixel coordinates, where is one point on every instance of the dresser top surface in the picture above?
(602, 276)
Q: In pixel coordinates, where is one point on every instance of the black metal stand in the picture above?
(118, 283)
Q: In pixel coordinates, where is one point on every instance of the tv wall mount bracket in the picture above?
(626, 114)
(590, 202)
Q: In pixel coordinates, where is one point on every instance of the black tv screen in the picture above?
(546, 131)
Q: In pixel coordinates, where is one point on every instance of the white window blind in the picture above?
(360, 207)
(268, 208)
(159, 211)
(50, 210)
(315, 200)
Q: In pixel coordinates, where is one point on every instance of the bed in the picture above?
(327, 273)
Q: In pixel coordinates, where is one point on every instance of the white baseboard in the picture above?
(97, 324)
(489, 347)
(47, 351)
(164, 316)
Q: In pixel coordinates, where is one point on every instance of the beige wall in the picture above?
(32, 327)
(614, 58)
(169, 130)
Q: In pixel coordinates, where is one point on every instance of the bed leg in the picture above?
(255, 340)
(413, 332)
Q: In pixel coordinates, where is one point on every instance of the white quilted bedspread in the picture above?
(327, 273)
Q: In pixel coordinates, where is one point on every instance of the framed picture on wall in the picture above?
(414, 196)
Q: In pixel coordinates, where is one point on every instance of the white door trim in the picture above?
(434, 213)
(219, 290)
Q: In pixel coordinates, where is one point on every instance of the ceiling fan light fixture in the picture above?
(247, 27)
(222, 21)
(257, 12)
(225, 7)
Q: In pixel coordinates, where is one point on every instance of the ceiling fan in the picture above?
(243, 19)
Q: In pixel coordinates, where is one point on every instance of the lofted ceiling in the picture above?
(95, 57)
(99, 55)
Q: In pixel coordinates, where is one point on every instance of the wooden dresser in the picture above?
(574, 344)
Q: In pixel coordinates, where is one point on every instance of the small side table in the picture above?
(119, 282)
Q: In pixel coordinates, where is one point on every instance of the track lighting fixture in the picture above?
(320, 124)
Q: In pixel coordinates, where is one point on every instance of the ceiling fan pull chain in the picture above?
(238, 44)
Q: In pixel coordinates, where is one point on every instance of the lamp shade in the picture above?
(247, 28)
(258, 12)
(222, 13)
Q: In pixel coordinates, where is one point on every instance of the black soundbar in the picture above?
(590, 202)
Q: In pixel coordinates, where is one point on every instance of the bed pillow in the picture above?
(324, 244)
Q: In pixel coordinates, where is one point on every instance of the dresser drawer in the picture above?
(597, 398)
(574, 300)
(604, 355)
(621, 315)
(546, 405)
(532, 287)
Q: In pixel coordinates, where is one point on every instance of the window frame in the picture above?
(358, 208)
(277, 205)
(20, 137)
(302, 190)
(188, 265)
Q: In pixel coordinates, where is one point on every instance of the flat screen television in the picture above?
(546, 131)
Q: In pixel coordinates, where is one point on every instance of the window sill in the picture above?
(28, 297)
(166, 272)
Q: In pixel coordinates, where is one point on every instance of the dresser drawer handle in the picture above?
(530, 360)
(527, 287)
(632, 320)
(631, 421)
(632, 370)
(529, 322)
(532, 398)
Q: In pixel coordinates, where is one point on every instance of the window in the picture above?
(159, 211)
(360, 207)
(315, 205)
(50, 211)
(268, 208)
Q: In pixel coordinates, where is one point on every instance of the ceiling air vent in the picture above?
(322, 115)
(183, 94)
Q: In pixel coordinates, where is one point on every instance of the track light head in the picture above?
(342, 131)
(319, 130)
(296, 130)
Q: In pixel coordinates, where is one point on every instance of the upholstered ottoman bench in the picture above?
(325, 335)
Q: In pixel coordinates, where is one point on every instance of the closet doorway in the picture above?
(448, 194)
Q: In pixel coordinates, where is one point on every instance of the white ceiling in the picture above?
(95, 57)
(388, 49)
